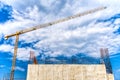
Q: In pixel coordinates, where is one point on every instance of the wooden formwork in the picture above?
(67, 72)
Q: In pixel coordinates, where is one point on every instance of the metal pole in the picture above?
(14, 58)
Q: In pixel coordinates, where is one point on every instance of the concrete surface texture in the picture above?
(68, 72)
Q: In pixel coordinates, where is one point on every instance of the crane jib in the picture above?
(54, 22)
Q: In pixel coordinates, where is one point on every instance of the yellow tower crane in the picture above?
(42, 26)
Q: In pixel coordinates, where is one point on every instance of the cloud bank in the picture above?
(81, 35)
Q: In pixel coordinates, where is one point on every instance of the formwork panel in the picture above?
(48, 72)
(41, 73)
(78, 73)
(110, 76)
(67, 72)
(57, 71)
(32, 72)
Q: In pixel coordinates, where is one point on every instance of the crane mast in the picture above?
(42, 26)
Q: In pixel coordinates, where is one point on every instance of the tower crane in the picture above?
(42, 26)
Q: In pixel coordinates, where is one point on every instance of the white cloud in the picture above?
(81, 35)
(79, 40)
(117, 21)
(6, 48)
(2, 66)
(19, 68)
(24, 53)
(49, 4)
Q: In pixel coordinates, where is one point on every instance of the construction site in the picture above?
(74, 68)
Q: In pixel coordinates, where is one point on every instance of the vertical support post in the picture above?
(108, 63)
(102, 55)
(33, 58)
(105, 59)
(14, 57)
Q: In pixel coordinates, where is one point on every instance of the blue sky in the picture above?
(81, 36)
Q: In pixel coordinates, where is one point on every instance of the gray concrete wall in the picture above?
(67, 72)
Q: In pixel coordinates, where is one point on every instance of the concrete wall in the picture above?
(110, 77)
(67, 72)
